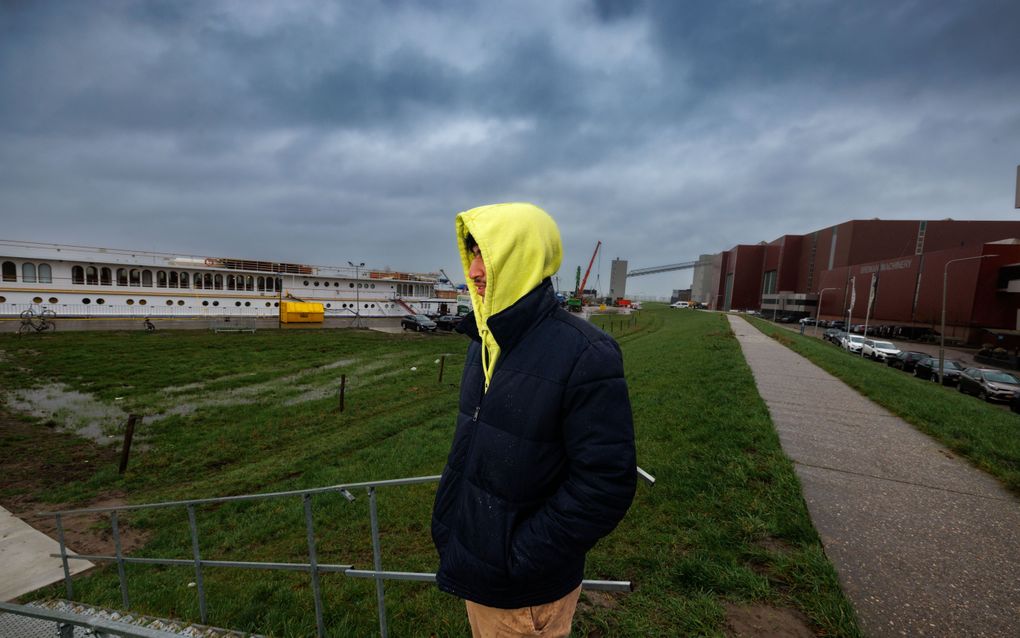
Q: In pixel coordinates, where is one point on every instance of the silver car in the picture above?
(989, 384)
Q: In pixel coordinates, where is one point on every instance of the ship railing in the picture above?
(115, 311)
(313, 567)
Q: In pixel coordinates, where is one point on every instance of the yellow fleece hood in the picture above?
(520, 245)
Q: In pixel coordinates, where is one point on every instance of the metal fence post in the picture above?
(198, 562)
(314, 563)
(63, 557)
(120, 561)
(380, 593)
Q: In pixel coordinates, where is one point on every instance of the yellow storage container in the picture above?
(301, 312)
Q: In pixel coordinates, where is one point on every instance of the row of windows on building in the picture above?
(30, 273)
(180, 302)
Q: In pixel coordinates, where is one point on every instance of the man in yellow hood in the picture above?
(542, 463)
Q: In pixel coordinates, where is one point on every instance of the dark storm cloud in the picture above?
(331, 131)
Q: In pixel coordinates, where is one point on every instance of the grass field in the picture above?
(984, 434)
(723, 530)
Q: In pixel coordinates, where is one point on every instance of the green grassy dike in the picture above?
(725, 524)
(986, 435)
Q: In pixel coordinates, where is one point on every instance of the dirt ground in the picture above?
(37, 458)
(761, 621)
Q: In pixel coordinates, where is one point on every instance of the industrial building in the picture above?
(899, 265)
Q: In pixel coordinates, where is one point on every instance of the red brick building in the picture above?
(906, 260)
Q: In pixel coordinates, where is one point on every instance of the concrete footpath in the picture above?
(924, 544)
(25, 561)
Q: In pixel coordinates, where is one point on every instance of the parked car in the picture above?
(838, 323)
(833, 335)
(879, 350)
(929, 369)
(809, 321)
(989, 384)
(786, 319)
(680, 304)
(418, 323)
(852, 343)
(1014, 403)
(906, 360)
(447, 322)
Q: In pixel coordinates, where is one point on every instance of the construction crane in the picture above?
(574, 303)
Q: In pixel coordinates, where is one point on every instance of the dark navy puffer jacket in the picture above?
(542, 465)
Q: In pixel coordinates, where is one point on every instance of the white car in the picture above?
(878, 350)
(852, 343)
(680, 304)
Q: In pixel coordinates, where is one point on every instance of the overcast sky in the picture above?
(322, 132)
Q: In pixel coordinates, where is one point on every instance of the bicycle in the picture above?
(148, 325)
(42, 322)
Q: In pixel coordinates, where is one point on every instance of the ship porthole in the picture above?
(247, 303)
(86, 300)
(130, 302)
(329, 305)
(276, 304)
(3, 299)
(52, 300)
(169, 302)
(306, 283)
(237, 303)
(205, 303)
(37, 300)
(100, 301)
(142, 302)
(267, 304)
(180, 302)
(215, 303)
(352, 285)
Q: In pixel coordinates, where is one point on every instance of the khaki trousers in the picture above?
(551, 620)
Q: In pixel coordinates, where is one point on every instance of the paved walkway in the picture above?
(25, 562)
(924, 544)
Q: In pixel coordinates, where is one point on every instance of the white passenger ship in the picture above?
(85, 282)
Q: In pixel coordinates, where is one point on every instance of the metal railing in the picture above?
(312, 567)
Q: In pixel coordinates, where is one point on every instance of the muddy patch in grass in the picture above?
(775, 545)
(89, 533)
(763, 621)
(38, 459)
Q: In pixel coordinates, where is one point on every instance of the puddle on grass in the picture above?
(86, 416)
(72, 411)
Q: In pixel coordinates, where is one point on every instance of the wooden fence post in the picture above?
(129, 433)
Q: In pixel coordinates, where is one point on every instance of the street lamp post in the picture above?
(357, 293)
(942, 333)
(818, 311)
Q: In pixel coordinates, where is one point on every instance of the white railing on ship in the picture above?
(91, 311)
